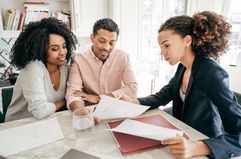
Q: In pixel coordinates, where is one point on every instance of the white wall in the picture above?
(129, 32)
(234, 77)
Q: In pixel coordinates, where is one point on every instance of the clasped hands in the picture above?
(93, 99)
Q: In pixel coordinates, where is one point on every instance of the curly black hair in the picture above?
(209, 32)
(32, 43)
(107, 24)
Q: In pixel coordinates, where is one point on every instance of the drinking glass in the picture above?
(83, 121)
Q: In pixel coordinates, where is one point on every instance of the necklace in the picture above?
(54, 76)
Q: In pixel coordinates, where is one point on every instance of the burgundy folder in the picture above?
(129, 143)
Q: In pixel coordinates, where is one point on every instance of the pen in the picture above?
(94, 108)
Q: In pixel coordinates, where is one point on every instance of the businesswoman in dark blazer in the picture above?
(200, 87)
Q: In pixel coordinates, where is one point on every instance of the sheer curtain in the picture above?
(233, 57)
(151, 69)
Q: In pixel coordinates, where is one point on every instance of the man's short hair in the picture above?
(106, 24)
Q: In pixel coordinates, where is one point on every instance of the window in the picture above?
(233, 57)
(151, 69)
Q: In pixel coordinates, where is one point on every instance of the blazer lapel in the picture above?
(195, 67)
(188, 89)
(178, 80)
(177, 102)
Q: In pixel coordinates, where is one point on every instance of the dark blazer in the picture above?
(209, 106)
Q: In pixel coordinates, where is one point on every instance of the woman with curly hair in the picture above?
(41, 52)
(199, 89)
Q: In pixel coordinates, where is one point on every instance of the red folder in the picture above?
(129, 143)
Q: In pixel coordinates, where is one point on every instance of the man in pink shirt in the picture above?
(102, 70)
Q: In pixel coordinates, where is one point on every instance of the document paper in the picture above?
(145, 130)
(24, 137)
(112, 108)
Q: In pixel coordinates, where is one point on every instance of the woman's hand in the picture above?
(183, 148)
(60, 104)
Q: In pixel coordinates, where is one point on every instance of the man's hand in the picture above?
(109, 94)
(183, 148)
(86, 111)
(93, 99)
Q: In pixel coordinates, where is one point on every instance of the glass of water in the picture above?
(83, 121)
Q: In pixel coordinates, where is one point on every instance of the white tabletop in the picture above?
(99, 143)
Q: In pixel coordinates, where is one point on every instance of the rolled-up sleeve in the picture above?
(34, 92)
(74, 83)
(128, 79)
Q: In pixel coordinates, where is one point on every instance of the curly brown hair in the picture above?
(33, 41)
(209, 32)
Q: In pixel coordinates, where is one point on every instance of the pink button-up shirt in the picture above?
(90, 75)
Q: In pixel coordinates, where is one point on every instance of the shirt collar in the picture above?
(93, 55)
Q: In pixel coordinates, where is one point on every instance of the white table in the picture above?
(99, 143)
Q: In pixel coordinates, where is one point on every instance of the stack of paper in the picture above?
(17, 139)
(112, 108)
